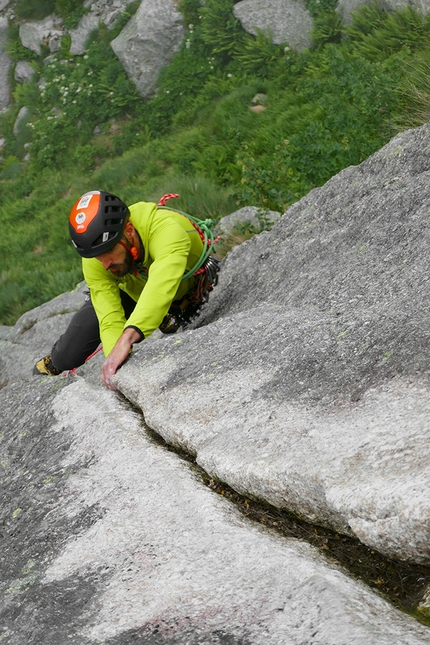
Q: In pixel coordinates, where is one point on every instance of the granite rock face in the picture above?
(34, 334)
(109, 538)
(148, 42)
(306, 382)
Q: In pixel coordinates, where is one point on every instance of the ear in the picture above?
(129, 231)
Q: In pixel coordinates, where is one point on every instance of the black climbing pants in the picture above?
(82, 336)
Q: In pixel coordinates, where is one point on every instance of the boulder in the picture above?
(103, 11)
(21, 120)
(247, 217)
(148, 42)
(306, 381)
(285, 21)
(34, 34)
(34, 334)
(24, 72)
(5, 65)
(79, 36)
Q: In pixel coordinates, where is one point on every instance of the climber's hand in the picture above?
(118, 355)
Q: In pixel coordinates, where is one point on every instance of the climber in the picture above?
(146, 267)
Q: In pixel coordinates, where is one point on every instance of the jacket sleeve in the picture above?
(169, 246)
(106, 301)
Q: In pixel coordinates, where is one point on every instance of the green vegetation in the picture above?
(70, 10)
(236, 121)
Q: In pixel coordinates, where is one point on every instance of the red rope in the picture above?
(73, 371)
(164, 199)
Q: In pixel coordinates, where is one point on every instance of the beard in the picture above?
(121, 269)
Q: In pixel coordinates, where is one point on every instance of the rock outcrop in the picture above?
(48, 32)
(248, 217)
(285, 21)
(102, 11)
(5, 65)
(149, 41)
(108, 538)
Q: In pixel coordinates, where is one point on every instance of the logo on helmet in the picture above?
(80, 219)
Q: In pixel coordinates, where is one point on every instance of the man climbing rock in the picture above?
(146, 267)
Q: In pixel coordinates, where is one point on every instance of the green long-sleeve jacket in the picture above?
(172, 247)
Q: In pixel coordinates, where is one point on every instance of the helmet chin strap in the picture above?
(134, 254)
(133, 250)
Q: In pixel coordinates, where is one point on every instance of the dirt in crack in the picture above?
(402, 583)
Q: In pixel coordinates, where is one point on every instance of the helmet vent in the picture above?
(114, 209)
(104, 237)
(114, 221)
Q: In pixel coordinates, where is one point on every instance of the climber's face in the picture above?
(118, 260)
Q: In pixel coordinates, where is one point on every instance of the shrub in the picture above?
(71, 11)
(199, 195)
(15, 48)
(377, 34)
(414, 91)
(30, 10)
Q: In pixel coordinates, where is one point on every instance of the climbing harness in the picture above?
(183, 312)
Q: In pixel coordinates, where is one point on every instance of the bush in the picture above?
(78, 95)
(198, 195)
(70, 10)
(414, 91)
(377, 34)
(30, 10)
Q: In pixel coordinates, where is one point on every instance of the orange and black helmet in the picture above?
(97, 222)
